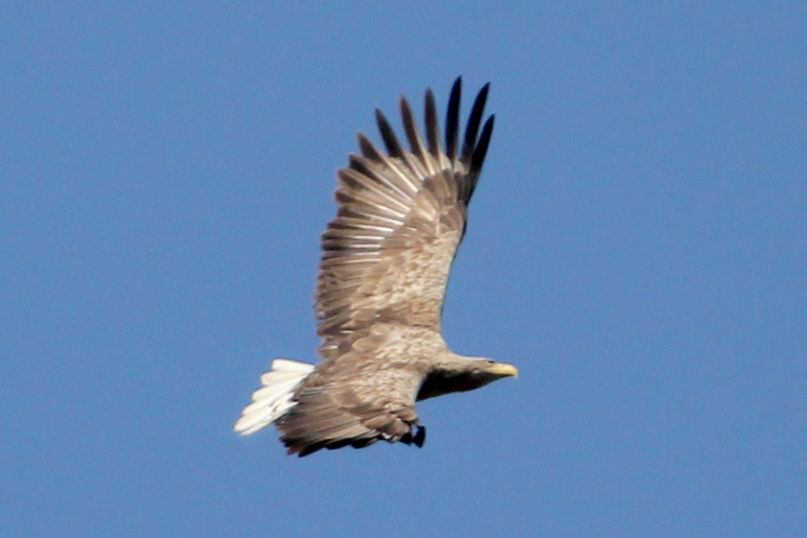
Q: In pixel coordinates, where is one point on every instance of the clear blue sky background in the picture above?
(637, 246)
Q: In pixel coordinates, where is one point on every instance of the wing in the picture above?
(387, 255)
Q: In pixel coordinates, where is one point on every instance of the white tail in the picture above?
(274, 398)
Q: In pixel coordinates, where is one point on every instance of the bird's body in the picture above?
(379, 297)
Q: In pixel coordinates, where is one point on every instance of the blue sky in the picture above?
(636, 246)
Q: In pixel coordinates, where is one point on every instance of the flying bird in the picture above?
(386, 259)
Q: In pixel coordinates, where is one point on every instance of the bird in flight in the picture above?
(386, 259)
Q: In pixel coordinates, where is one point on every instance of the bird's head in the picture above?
(464, 373)
(488, 370)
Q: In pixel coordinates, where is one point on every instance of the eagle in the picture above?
(385, 263)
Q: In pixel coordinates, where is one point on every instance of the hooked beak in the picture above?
(502, 369)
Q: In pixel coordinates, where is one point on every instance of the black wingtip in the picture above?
(474, 120)
(432, 124)
(481, 149)
(411, 129)
(366, 146)
(453, 119)
(388, 135)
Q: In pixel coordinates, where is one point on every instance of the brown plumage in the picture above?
(379, 296)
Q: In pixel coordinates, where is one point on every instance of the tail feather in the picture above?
(274, 398)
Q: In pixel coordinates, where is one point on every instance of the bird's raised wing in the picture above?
(387, 255)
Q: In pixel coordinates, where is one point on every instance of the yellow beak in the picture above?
(503, 369)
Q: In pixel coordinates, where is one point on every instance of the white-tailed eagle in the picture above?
(386, 258)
